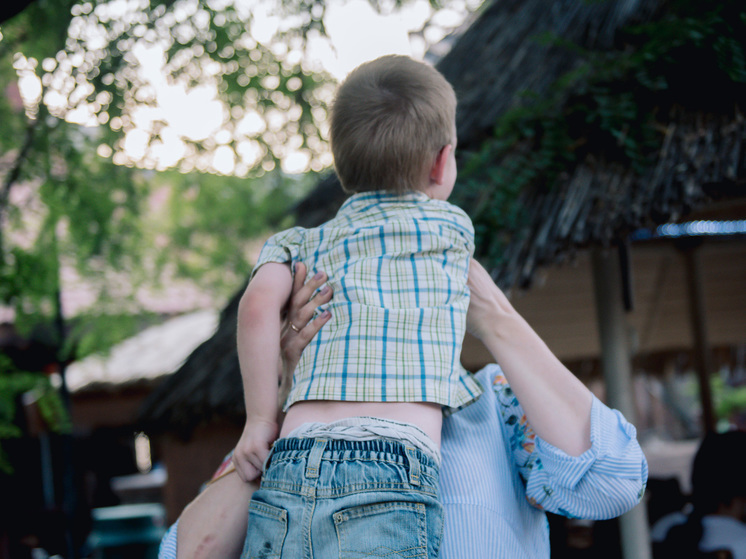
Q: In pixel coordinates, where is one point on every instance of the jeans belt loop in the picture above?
(414, 466)
(314, 458)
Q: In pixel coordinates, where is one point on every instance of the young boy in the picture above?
(355, 471)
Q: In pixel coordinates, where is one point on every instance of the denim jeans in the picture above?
(328, 499)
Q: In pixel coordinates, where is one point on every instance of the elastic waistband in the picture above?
(315, 451)
(364, 428)
(387, 447)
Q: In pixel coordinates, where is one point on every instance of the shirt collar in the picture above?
(361, 200)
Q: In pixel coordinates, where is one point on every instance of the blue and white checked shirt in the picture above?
(497, 478)
(398, 265)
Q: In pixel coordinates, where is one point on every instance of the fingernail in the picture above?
(324, 290)
(326, 314)
(318, 275)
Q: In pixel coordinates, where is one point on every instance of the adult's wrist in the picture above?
(504, 324)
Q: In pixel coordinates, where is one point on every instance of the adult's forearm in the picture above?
(557, 404)
(214, 524)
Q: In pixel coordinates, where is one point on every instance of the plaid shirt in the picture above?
(398, 265)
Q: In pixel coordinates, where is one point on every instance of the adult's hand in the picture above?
(300, 327)
(487, 303)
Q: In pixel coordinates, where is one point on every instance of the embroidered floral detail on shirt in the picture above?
(521, 437)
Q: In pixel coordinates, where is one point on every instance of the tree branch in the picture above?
(14, 173)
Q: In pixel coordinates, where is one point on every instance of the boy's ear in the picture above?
(438, 169)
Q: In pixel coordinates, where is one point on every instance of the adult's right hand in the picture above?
(487, 303)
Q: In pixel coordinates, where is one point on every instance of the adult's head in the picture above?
(389, 120)
(718, 478)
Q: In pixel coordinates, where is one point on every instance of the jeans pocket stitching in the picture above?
(271, 549)
(364, 512)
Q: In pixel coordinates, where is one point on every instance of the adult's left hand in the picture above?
(300, 327)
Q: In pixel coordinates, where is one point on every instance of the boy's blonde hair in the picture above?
(389, 119)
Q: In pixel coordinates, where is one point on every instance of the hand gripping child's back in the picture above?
(355, 470)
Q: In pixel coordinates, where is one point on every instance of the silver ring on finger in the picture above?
(294, 327)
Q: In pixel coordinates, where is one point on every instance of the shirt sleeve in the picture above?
(605, 481)
(281, 247)
(461, 223)
(167, 548)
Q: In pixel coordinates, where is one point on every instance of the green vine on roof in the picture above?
(612, 104)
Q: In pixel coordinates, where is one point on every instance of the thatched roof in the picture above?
(506, 53)
(208, 386)
(600, 200)
(144, 358)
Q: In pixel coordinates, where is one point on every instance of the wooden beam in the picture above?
(698, 321)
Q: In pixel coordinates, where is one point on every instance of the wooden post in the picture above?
(697, 316)
(617, 370)
(70, 503)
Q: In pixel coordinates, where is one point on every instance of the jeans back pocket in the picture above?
(268, 527)
(392, 530)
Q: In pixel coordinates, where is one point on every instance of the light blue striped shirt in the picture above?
(497, 478)
(398, 265)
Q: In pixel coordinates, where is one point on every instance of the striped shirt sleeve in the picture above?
(167, 548)
(603, 482)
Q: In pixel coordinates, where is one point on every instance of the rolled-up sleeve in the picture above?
(604, 482)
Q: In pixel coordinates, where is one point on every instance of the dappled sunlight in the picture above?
(29, 85)
(224, 160)
(113, 93)
(167, 80)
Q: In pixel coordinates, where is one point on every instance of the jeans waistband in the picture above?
(320, 449)
(370, 429)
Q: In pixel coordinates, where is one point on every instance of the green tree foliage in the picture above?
(76, 199)
(14, 383)
(94, 54)
(730, 400)
(69, 206)
(214, 245)
(63, 204)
